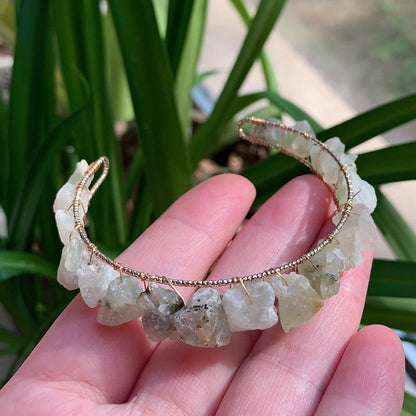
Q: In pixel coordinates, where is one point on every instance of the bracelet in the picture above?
(293, 292)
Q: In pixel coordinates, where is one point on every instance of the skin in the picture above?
(324, 367)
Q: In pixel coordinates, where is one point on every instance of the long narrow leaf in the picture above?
(185, 75)
(261, 25)
(395, 229)
(102, 121)
(393, 278)
(13, 263)
(4, 154)
(397, 313)
(373, 122)
(37, 174)
(284, 105)
(391, 164)
(268, 71)
(147, 66)
(179, 17)
(27, 100)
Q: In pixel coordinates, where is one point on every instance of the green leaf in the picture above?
(37, 175)
(179, 17)
(391, 164)
(9, 337)
(185, 74)
(166, 159)
(399, 313)
(266, 65)
(284, 105)
(121, 104)
(13, 263)
(409, 405)
(102, 121)
(4, 154)
(393, 278)
(27, 99)
(207, 135)
(395, 229)
(371, 123)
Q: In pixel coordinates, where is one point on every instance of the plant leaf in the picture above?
(185, 74)
(373, 122)
(399, 313)
(14, 263)
(284, 105)
(409, 405)
(393, 278)
(179, 17)
(395, 229)
(37, 174)
(266, 65)
(391, 164)
(166, 158)
(27, 100)
(207, 135)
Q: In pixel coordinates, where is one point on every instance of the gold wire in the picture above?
(103, 162)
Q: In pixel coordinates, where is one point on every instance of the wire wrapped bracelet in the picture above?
(208, 318)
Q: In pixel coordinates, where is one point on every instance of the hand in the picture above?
(324, 367)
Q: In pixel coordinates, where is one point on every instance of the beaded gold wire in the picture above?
(345, 210)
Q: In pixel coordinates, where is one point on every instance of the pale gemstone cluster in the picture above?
(208, 318)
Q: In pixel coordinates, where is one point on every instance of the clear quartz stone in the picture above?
(365, 199)
(253, 311)
(74, 254)
(272, 134)
(121, 298)
(65, 224)
(203, 322)
(93, 281)
(157, 306)
(296, 144)
(80, 170)
(297, 300)
(357, 234)
(66, 195)
(323, 271)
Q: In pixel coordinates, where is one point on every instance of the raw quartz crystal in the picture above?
(120, 302)
(296, 144)
(62, 205)
(252, 310)
(93, 281)
(74, 255)
(323, 271)
(203, 322)
(297, 300)
(157, 306)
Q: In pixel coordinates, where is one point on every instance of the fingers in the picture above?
(369, 379)
(182, 243)
(295, 368)
(193, 380)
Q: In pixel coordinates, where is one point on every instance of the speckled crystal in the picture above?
(157, 305)
(297, 300)
(203, 322)
(253, 311)
(323, 271)
(120, 302)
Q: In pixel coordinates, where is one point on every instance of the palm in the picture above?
(325, 366)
